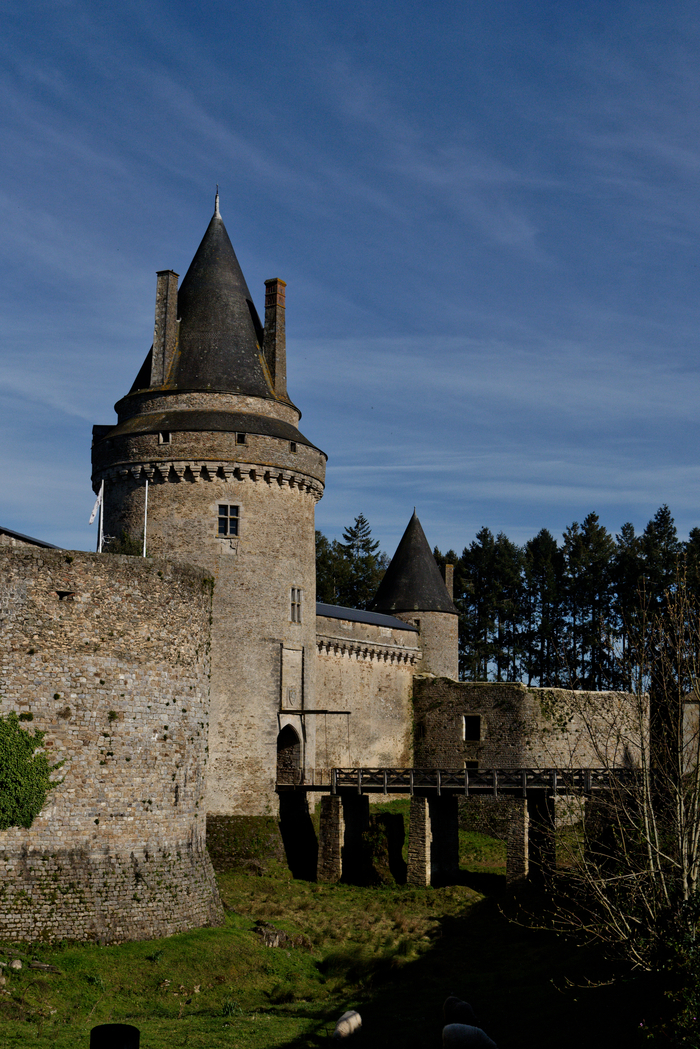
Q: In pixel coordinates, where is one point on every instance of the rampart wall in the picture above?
(366, 672)
(109, 657)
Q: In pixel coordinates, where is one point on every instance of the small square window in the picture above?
(296, 605)
(228, 520)
(164, 437)
(471, 766)
(472, 728)
(241, 438)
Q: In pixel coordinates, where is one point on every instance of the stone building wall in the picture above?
(501, 725)
(109, 657)
(365, 671)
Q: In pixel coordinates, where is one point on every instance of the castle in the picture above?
(189, 685)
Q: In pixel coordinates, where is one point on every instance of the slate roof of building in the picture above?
(202, 420)
(28, 539)
(359, 615)
(220, 338)
(412, 582)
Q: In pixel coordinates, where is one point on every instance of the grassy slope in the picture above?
(393, 953)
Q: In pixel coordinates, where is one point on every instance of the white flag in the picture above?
(98, 504)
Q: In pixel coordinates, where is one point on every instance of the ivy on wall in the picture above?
(25, 774)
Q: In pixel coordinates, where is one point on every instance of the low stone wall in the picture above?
(108, 657)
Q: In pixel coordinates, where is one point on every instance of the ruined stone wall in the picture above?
(109, 657)
(367, 672)
(521, 727)
(263, 661)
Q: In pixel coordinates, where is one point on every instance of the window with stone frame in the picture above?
(229, 519)
(471, 728)
(295, 611)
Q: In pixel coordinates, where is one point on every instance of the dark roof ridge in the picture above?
(412, 582)
(360, 615)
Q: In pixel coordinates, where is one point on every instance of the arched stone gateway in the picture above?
(288, 756)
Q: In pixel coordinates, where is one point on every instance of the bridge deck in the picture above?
(494, 782)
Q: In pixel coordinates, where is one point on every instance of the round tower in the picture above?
(208, 460)
(412, 589)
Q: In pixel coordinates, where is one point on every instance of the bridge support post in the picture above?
(419, 840)
(517, 852)
(541, 840)
(444, 848)
(330, 839)
(356, 863)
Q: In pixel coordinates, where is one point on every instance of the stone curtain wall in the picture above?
(525, 727)
(109, 656)
(368, 671)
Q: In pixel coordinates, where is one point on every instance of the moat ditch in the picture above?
(392, 952)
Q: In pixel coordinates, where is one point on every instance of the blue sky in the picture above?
(487, 216)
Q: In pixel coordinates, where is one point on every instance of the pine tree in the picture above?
(589, 551)
(349, 573)
(544, 643)
(332, 570)
(478, 606)
(509, 608)
(660, 548)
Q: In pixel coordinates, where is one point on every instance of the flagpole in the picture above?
(102, 507)
(145, 519)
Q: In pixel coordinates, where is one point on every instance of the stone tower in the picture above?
(232, 487)
(413, 590)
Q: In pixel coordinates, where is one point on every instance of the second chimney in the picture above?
(166, 328)
(275, 339)
(448, 574)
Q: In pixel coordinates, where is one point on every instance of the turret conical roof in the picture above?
(220, 334)
(412, 582)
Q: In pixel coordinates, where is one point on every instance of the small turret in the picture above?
(413, 590)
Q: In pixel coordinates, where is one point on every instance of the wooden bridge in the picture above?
(508, 782)
(433, 846)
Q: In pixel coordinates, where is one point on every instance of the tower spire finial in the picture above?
(216, 201)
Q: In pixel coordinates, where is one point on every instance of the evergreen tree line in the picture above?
(560, 615)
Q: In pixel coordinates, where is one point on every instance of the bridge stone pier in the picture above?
(433, 833)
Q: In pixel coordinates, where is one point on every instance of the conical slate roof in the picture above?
(220, 338)
(412, 582)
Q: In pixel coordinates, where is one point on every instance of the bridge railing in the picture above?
(509, 781)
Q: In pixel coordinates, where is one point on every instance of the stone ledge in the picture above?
(330, 645)
(194, 470)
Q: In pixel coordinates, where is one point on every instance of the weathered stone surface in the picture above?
(110, 657)
(521, 727)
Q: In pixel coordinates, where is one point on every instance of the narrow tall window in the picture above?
(296, 605)
(241, 438)
(164, 437)
(228, 520)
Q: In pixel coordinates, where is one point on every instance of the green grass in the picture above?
(394, 953)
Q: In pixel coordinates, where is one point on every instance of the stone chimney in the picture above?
(275, 339)
(448, 574)
(166, 329)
